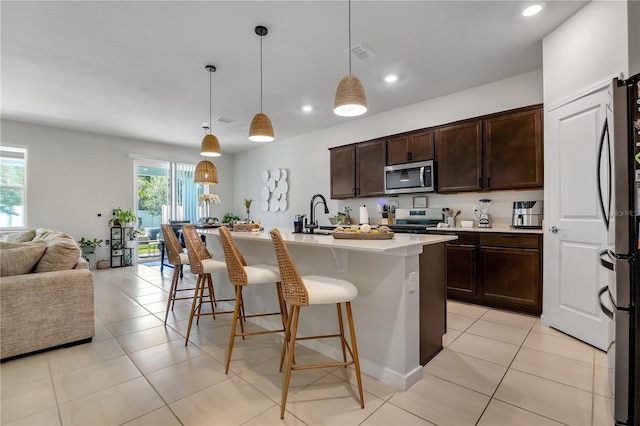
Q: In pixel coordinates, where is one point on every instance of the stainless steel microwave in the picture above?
(410, 178)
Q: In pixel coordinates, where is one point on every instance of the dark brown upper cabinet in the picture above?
(358, 170)
(410, 147)
(513, 150)
(500, 151)
(459, 157)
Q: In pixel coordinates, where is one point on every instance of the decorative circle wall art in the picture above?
(274, 192)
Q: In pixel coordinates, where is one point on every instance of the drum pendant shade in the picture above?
(261, 129)
(206, 173)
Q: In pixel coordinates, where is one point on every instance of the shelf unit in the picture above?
(120, 254)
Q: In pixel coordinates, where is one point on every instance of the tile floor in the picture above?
(498, 368)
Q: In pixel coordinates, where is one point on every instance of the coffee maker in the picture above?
(484, 218)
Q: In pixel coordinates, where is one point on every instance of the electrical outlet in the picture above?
(412, 282)
(106, 242)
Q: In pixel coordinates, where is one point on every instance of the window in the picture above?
(166, 192)
(13, 187)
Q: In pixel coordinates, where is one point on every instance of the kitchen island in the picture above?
(400, 311)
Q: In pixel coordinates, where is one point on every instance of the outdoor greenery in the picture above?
(153, 193)
(11, 174)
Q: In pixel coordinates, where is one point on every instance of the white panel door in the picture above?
(575, 231)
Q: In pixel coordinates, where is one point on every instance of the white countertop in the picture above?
(400, 242)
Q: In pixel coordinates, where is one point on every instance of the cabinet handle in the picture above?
(409, 156)
(489, 182)
(353, 191)
(480, 182)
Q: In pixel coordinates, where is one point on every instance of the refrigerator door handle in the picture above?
(603, 308)
(603, 135)
(606, 263)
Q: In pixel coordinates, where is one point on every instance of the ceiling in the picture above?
(136, 69)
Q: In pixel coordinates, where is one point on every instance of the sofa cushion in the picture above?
(62, 253)
(18, 237)
(19, 258)
(48, 235)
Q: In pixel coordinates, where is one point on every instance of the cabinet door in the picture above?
(510, 278)
(370, 162)
(407, 148)
(513, 150)
(459, 157)
(461, 271)
(398, 150)
(421, 146)
(343, 171)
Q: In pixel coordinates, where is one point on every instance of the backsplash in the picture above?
(501, 203)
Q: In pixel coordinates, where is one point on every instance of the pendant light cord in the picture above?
(210, 102)
(349, 47)
(261, 37)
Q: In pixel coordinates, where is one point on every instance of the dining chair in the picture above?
(177, 257)
(202, 263)
(242, 275)
(299, 291)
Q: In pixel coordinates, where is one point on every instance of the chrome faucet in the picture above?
(313, 222)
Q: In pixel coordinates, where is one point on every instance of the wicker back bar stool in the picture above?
(177, 257)
(241, 275)
(313, 290)
(202, 263)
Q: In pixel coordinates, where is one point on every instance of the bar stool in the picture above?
(313, 290)
(241, 275)
(177, 257)
(202, 264)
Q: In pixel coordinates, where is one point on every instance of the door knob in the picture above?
(554, 229)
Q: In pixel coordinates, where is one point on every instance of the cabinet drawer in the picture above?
(466, 238)
(510, 240)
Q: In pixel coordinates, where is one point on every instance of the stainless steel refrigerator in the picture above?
(619, 183)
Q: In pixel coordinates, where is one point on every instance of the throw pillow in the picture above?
(62, 254)
(18, 237)
(48, 235)
(18, 259)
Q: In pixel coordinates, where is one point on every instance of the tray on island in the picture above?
(363, 236)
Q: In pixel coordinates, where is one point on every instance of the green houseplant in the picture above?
(89, 246)
(122, 217)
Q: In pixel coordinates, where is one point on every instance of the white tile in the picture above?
(442, 402)
(48, 417)
(373, 386)
(568, 348)
(473, 373)
(389, 414)
(601, 384)
(67, 359)
(602, 414)
(132, 325)
(164, 355)
(144, 339)
(549, 399)
(160, 417)
(93, 378)
(23, 370)
(112, 406)
(26, 400)
(458, 322)
(271, 417)
(499, 413)
(224, 403)
(554, 367)
(466, 309)
(510, 318)
(484, 348)
(450, 337)
(497, 331)
(331, 401)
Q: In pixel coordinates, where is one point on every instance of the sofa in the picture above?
(46, 293)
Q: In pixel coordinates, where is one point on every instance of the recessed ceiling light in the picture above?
(532, 10)
(307, 108)
(391, 78)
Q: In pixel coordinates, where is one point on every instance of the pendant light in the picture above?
(210, 146)
(206, 172)
(350, 98)
(261, 129)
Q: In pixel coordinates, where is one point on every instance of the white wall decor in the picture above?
(274, 193)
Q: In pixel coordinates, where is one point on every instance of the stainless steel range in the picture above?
(417, 221)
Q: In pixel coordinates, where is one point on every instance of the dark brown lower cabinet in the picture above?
(502, 270)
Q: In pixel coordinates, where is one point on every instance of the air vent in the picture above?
(361, 51)
(225, 120)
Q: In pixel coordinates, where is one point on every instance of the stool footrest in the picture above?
(332, 364)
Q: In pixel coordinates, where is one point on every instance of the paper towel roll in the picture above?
(364, 215)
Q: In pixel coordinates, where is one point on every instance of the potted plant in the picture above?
(247, 204)
(89, 246)
(132, 233)
(123, 218)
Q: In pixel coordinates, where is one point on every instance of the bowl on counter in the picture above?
(467, 223)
